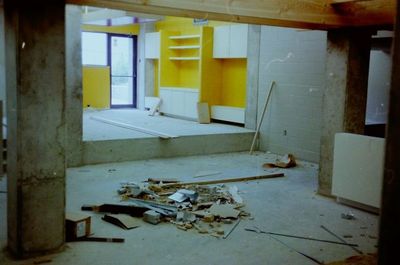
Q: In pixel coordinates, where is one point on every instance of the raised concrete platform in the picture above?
(105, 143)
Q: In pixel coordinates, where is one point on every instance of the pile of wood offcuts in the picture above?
(206, 209)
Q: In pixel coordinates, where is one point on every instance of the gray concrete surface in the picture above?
(296, 61)
(73, 84)
(35, 66)
(94, 130)
(253, 63)
(285, 205)
(104, 143)
(345, 95)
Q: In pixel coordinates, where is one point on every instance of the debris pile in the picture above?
(203, 208)
(187, 205)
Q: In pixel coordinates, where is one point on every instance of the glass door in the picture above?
(123, 70)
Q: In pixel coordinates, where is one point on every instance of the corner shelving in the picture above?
(184, 37)
(184, 47)
(184, 58)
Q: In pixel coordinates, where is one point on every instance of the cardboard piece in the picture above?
(203, 113)
(224, 211)
(122, 220)
(77, 225)
(286, 161)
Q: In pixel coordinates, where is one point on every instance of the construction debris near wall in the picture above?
(215, 210)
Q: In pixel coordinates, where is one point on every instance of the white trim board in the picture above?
(135, 128)
(225, 113)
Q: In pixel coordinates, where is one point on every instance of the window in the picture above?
(94, 48)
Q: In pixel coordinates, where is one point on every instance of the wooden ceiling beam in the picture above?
(310, 14)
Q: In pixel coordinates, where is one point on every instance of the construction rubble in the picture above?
(203, 208)
(208, 207)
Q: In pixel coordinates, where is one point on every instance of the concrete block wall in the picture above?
(296, 60)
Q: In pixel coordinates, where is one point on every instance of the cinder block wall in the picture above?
(292, 123)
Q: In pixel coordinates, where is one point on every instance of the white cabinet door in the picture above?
(177, 102)
(165, 96)
(238, 41)
(191, 99)
(152, 45)
(221, 42)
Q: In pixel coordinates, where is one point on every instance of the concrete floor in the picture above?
(284, 205)
(94, 130)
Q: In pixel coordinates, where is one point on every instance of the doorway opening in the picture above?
(109, 70)
(122, 60)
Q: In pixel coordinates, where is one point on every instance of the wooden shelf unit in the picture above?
(184, 58)
(184, 37)
(184, 47)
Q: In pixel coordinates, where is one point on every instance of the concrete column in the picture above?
(73, 83)
(2, 58)
(253, 62)
(389, 232)
(35, 69)
(345, 95)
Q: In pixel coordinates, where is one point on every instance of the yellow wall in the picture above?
(210, 70)
(234, 82)
(96, 79)
(96, 86)
(132, 29)
(222, 81)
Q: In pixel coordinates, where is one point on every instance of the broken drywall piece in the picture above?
(122, 220)
(235, 195)
(348, 216)
(183, 195)
(224, 211)
(152, 217)
(185, 216)
(287, 161)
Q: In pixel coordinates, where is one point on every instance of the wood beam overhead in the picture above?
(311, 14)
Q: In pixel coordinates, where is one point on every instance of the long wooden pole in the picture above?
(262, 118)
(217, 181)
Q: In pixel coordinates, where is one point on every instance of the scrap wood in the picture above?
(286, 161)
(102, 239)
(121, 220)
(233, 228)
(342, 240)
(132, 210)
(253, 143)
(163, 209)
(295, 250)
(163, 180)
(218, 181)
(256, 230)
(135, 128)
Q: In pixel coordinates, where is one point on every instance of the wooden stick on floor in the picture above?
(217, 181)
(262, 118)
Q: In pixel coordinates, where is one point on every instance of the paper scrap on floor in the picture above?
(287, 161)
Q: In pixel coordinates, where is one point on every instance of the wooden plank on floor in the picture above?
(134, 128)
(218, 181)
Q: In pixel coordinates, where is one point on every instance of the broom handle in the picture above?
(262, 118)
